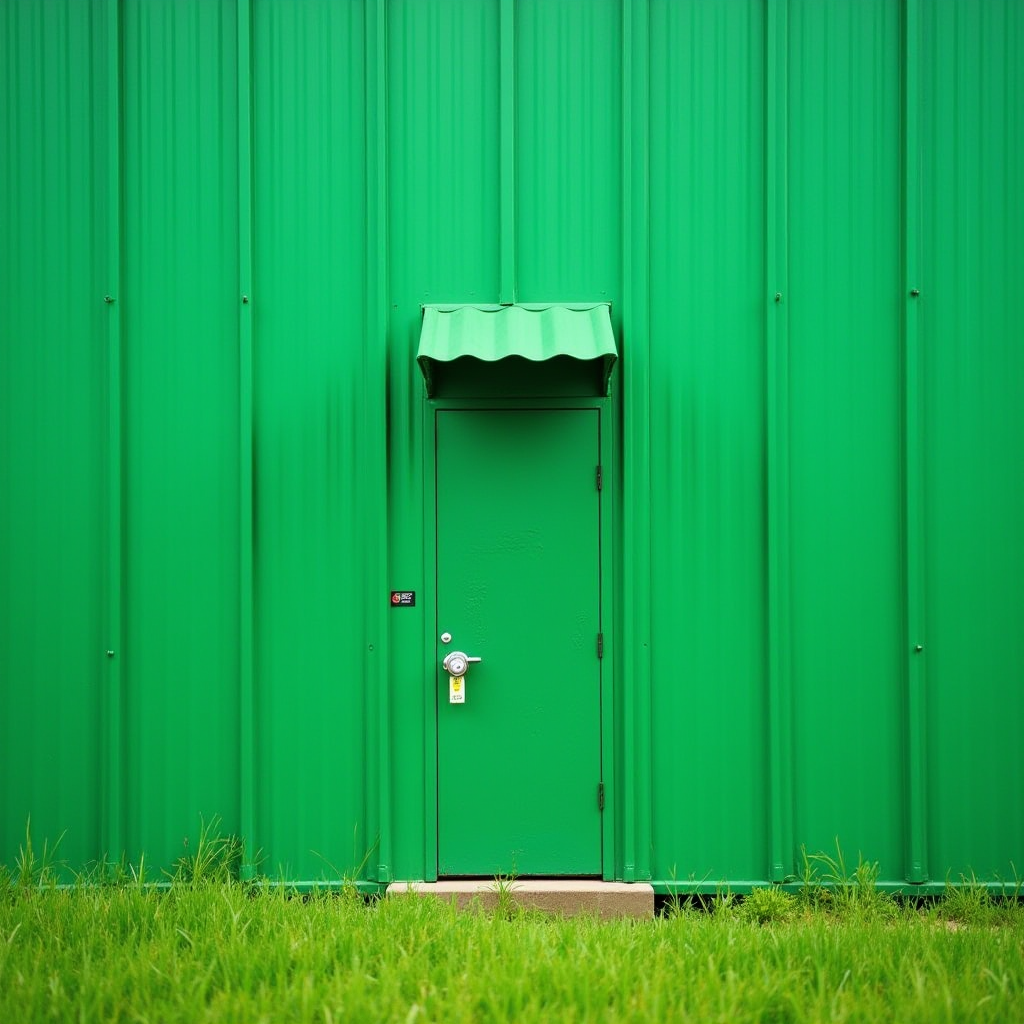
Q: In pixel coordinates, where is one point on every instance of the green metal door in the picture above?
(518, 586)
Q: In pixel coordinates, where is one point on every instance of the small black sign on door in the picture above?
(403, 598)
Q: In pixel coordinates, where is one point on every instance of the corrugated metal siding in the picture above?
(973, 266)
(52, 426)
(707, 440)
(845, 423)
(835, 476)
(309, 301)
(181, 372)
(568, 233)
(444, 246)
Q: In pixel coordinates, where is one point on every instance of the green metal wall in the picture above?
(707, 410)
(218, 223)
(180, 429)
(970, 454)
(845, 292)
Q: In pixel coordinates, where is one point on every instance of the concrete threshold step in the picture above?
(565, 896)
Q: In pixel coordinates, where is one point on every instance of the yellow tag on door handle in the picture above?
(456, 689)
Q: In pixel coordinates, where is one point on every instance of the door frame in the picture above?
(609, 609)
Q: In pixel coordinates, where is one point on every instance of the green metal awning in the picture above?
(485, 339)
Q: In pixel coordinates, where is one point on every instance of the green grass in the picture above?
(206, 949)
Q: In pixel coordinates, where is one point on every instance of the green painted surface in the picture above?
(52, 427)
(180, 408)
(568, 151)
(444, 246)
(500, 336)
(709, 779)
(973, 369)
(805, 489)
(844, 428)
(518, 585)
(312, 516)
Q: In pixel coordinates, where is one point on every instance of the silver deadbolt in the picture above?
(455, 663)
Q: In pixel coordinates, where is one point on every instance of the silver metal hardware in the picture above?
(446, 638)
(456, 663)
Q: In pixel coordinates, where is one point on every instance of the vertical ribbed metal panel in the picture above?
(832, 470)
(443, 153)
(973, 268)
(845, 426)
(52, 425)
(568, 88)
(312, 513)
(707, 439)
(181, 421)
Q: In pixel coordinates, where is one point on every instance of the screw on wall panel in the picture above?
(108, 299)
(778, 296)
(245, 300)
(918, 649)
(110, 654)
(915, 292)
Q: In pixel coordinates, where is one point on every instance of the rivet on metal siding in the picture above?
(915, 292)
(918, 649)
(778, 296)
(110, 654)
(108, 299)
(245, 300)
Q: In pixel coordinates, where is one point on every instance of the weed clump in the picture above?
(506, 908)
(32, 870)
(767, 905)
(215, 859)
(827, 884)
(971, 902)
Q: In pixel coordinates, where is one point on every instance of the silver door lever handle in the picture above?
(455, 663)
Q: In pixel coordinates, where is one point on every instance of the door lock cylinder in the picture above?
(455, 663)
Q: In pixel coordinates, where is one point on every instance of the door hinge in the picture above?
(600, 478)
(600, 645)
(600, 796)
